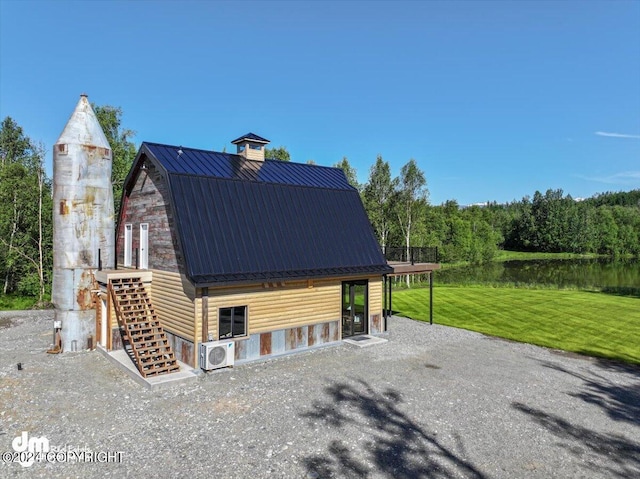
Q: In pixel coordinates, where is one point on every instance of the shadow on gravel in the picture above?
(5, 323)
(397, 447)
(619, 402)
(611, 448)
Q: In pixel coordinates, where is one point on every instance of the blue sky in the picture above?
(493, 99)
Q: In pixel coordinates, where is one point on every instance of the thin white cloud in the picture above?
(616, 135)
(623, 178)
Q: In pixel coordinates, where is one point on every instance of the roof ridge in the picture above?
(261, 182)
(182, 147)
(234, 155)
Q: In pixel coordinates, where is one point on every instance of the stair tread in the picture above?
(140, 319)
(157, 372)
(142, 322)
(140, 342)
(158, 363)
(161, 348)
(153, 337)
(141, 331)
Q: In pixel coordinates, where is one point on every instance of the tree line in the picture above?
(398, 208)
(25, 214)
(26, 208)
(400, 213)
(607, 223)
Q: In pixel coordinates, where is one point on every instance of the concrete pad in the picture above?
(365, 341)
(122, 360)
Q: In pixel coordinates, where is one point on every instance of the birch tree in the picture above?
(411, 196)
(377, 198)
(25, 214)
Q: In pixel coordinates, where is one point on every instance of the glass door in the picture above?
(354, 308)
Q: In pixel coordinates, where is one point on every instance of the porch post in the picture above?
(430, 297)
(384, 307)
(390, 298)
(108, 318)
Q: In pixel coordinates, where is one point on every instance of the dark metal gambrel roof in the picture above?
(176, 159)
(244, 221)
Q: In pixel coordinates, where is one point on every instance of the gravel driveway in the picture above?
(432, 402)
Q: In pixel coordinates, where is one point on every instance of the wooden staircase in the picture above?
(149, 346)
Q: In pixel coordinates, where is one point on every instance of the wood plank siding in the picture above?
(174, 299)
(274, 307)
(180, 306)
(375, 296)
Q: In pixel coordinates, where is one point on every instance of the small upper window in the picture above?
(232, 322)
(255, 147)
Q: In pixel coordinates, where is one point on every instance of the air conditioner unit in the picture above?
(216, 354)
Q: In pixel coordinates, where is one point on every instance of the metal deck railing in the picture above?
(415, 254)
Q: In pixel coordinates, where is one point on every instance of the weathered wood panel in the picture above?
(149, 202)
(173, 298)
(265, 344)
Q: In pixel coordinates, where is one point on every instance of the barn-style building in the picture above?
(271, 256)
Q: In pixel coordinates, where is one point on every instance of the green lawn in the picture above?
(592, 323)
(504, 255)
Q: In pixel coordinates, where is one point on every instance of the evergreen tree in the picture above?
(349, 171)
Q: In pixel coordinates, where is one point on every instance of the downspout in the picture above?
(205, 314)
(195, 331)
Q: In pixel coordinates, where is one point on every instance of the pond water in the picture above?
(581, 273)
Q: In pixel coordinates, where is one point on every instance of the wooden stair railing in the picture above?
(150, 348)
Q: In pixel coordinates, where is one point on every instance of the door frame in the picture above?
(144, 246)
(128, 244)
(348, 323)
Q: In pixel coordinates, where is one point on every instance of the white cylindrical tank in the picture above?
(83, 222)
